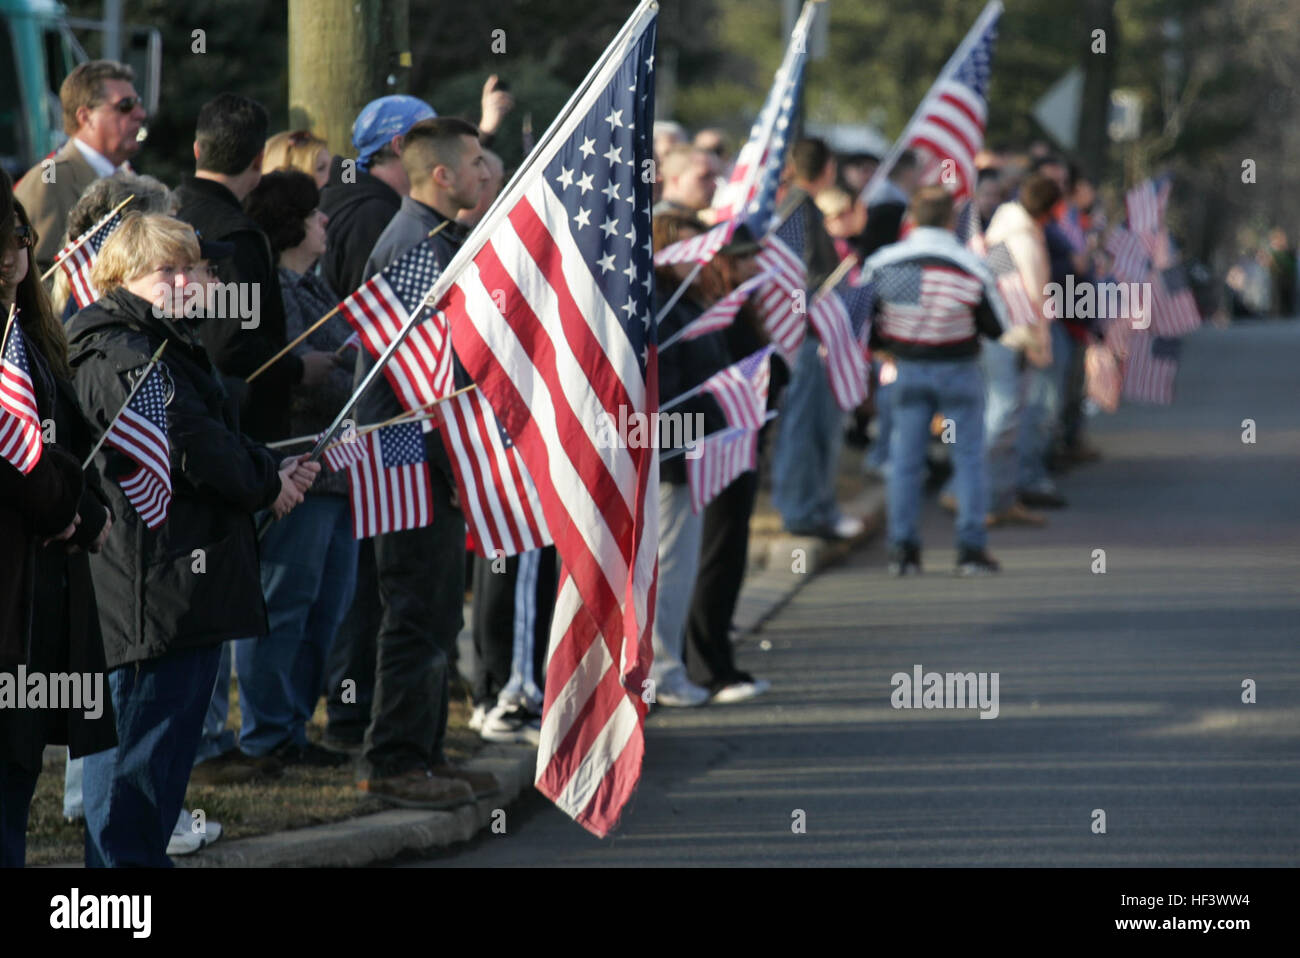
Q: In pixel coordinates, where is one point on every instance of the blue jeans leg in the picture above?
(134, 792)
(337, 583)
(17, 786)
(878, 454)
(961, 397)
(293, 555)
(807, 450)
(915, 404)
(1043, 413)
(1002, 412)
(215, 738)
(73, 805)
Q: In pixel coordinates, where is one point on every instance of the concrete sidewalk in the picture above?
(779, 567)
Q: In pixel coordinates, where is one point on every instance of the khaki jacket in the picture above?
(48, 204)
(1012, 224)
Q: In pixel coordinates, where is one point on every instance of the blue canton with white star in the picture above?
(598, 176)
(758, 215)
(401, 445)
(975, 69)
(413, 274)
(97, 241)
(150, 400)
(15, 352)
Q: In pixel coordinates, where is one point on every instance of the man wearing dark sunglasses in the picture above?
(102, 116)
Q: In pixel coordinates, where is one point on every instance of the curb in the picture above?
(384, 836)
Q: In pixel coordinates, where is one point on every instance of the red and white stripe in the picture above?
(1173, 314)
(1129, 255)
(1144, 209)
(552, 364)
(699, 248)
(1147, 377)
(77, 266)
(496, 493)
(782, 299)
(721, 314)
(722, 458)
(421, 369)
(387, 499)
(20, 421)
(951, 127)
(149, 487)
(743, 400)
(842, 354)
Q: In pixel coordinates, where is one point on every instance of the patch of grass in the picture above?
(302, 797)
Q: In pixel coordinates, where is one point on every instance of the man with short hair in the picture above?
(936, 353)
(806, 454)
(102, 115)
(421, 572)
(689, 178)
(228, 141)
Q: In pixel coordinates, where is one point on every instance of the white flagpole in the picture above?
(992, 10)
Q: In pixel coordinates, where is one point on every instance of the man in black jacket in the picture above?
(421, 572)
(228, 144)
(170, 595)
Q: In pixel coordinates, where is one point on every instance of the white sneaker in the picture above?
(741, 691)
(849, 527)
(186, 841)
(477, 716)
(508, 724)
(681, 694)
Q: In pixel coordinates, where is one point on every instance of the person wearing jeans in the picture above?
(170, 595)
(935, 344)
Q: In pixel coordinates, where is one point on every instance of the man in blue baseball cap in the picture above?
(362, 195)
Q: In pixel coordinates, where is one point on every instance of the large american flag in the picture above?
(20, 420)
(140, 433)
(722, 457)
(421, 369)
(840, 318)
(1011, 284)
(1150, 369)
(741, 389)
(78, 263)
(1174, 311)
(571, 341)
(782, 299)
(497, 495)
(389, 485)
(947, 129)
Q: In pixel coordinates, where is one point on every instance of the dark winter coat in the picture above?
(157, 591)
(358, 212)
(60, 623)
(235, 350)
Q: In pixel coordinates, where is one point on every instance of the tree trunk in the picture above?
(1098, 77)
(342, 55)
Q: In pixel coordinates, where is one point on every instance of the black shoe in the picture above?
(344, 738)
(904, 560)
(311, 754)
(1041, 500)
(972, 562)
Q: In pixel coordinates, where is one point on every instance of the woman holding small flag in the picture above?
(179, 575)
(51, 519)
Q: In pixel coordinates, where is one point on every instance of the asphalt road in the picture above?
(1119, 691)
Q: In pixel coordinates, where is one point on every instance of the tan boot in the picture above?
(1015, 515)
(419, 789)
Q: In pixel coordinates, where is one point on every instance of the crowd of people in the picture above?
(307, 610)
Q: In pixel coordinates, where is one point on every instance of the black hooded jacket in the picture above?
(238, 346)
(194, 580)
(358, 212)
